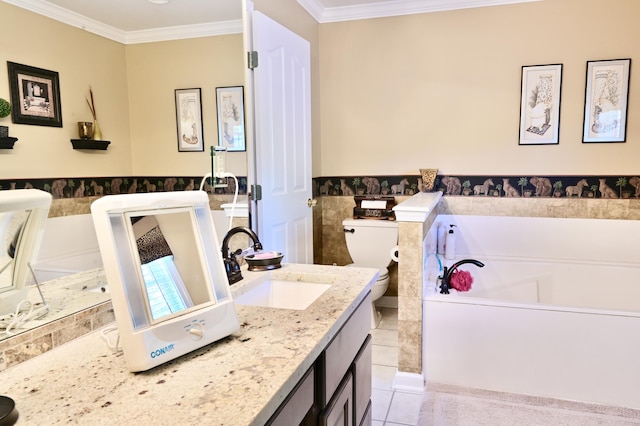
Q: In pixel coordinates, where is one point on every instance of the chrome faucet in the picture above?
(230, 261)
(445, 285)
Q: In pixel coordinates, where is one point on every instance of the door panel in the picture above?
(283, 140)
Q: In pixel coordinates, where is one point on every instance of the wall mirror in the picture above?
(6, 262)
(23, 213)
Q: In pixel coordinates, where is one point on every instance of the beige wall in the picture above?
(134, 94)
(392, 95)
(82, 60)
(443, 89)
(154, 71)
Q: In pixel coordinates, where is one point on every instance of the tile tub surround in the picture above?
(72, 313)
(263, 360)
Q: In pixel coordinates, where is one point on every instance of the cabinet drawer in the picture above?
(366, 420)
(340, 408)
(345, 346)
(300, 401)
(362, 381)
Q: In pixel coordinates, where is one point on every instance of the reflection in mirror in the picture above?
(163, 272)
(10, 226)
(23, 214)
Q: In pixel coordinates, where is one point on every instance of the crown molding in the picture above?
(184, 32)
(393, 8)
(127, 37)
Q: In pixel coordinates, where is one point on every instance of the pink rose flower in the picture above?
(461, 280)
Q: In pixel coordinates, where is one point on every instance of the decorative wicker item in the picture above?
(428, 179)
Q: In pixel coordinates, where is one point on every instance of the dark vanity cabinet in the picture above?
(337, 389)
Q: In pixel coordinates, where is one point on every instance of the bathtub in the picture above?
(554, 313)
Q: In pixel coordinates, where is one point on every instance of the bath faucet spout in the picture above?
(231, 264)
(446, 274)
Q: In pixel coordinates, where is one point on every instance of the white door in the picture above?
(282, 120)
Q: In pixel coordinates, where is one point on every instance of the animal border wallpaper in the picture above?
(483, 186)
(459, 185)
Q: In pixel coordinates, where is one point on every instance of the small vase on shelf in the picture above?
(97, 133)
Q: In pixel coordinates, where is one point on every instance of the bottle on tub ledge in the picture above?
(450, 244)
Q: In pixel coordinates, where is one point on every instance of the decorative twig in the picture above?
(91, 104)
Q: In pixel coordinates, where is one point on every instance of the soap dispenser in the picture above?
(450, 244)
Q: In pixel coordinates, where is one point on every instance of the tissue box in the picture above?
(374, 207)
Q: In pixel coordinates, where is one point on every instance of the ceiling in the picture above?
(138, 21)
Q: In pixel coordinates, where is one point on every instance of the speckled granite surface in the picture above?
(73, 311)
(239, 380)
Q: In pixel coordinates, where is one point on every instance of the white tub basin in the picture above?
(238, 210)
(281, 294)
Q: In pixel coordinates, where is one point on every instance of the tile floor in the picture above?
(390, 407)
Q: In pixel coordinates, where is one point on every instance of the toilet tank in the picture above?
(370, 241)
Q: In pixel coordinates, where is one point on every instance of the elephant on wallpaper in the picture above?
(454, 187)
(170, 183)
(543, 186)
(57, 188)
(635, 182)
(116, 183)
(372, 184)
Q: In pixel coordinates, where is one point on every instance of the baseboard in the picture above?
(387, 302)
(410, 382)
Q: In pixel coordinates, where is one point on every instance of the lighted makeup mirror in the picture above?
(168, 284)
(23, 213)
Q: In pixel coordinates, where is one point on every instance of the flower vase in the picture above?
(97, 133)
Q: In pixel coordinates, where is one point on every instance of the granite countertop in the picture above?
(64, 297)
(68, 295)
(239, 380)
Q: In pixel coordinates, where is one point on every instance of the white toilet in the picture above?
(370, 243)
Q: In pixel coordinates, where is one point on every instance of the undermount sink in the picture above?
(281, 294)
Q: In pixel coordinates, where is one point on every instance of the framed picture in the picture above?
(35, 95)
(189, 120)
(540, 104)
(230, 105)
(606, 101)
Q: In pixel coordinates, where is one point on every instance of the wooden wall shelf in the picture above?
(7, 143)
(89, 144)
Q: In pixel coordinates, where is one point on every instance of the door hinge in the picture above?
(252, 59)
(256, 193)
